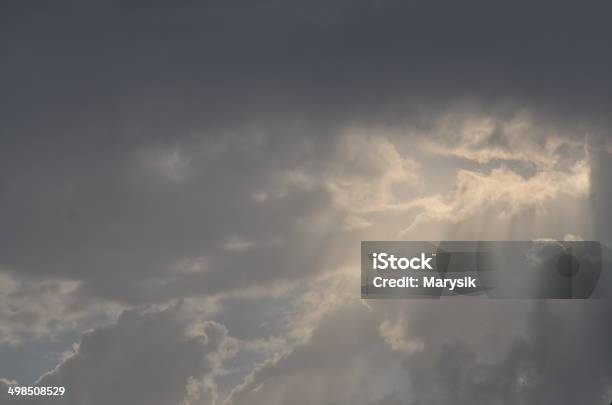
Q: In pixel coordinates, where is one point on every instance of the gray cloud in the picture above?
(345, 361)
(546, 358)
(97, 170)
(218, 150)
(146, 357)
(214, 64)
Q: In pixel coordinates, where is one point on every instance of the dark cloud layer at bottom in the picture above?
(146, 357)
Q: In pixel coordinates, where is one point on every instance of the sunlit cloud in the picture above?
(482, 139)
(503, 189)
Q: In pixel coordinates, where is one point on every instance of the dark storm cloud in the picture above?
(551, 361)
(87, 86)
(216, 61)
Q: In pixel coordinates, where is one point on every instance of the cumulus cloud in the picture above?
(146, 357)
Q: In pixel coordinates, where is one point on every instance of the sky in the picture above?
(184, 187)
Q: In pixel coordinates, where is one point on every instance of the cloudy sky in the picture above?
(184, 187)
